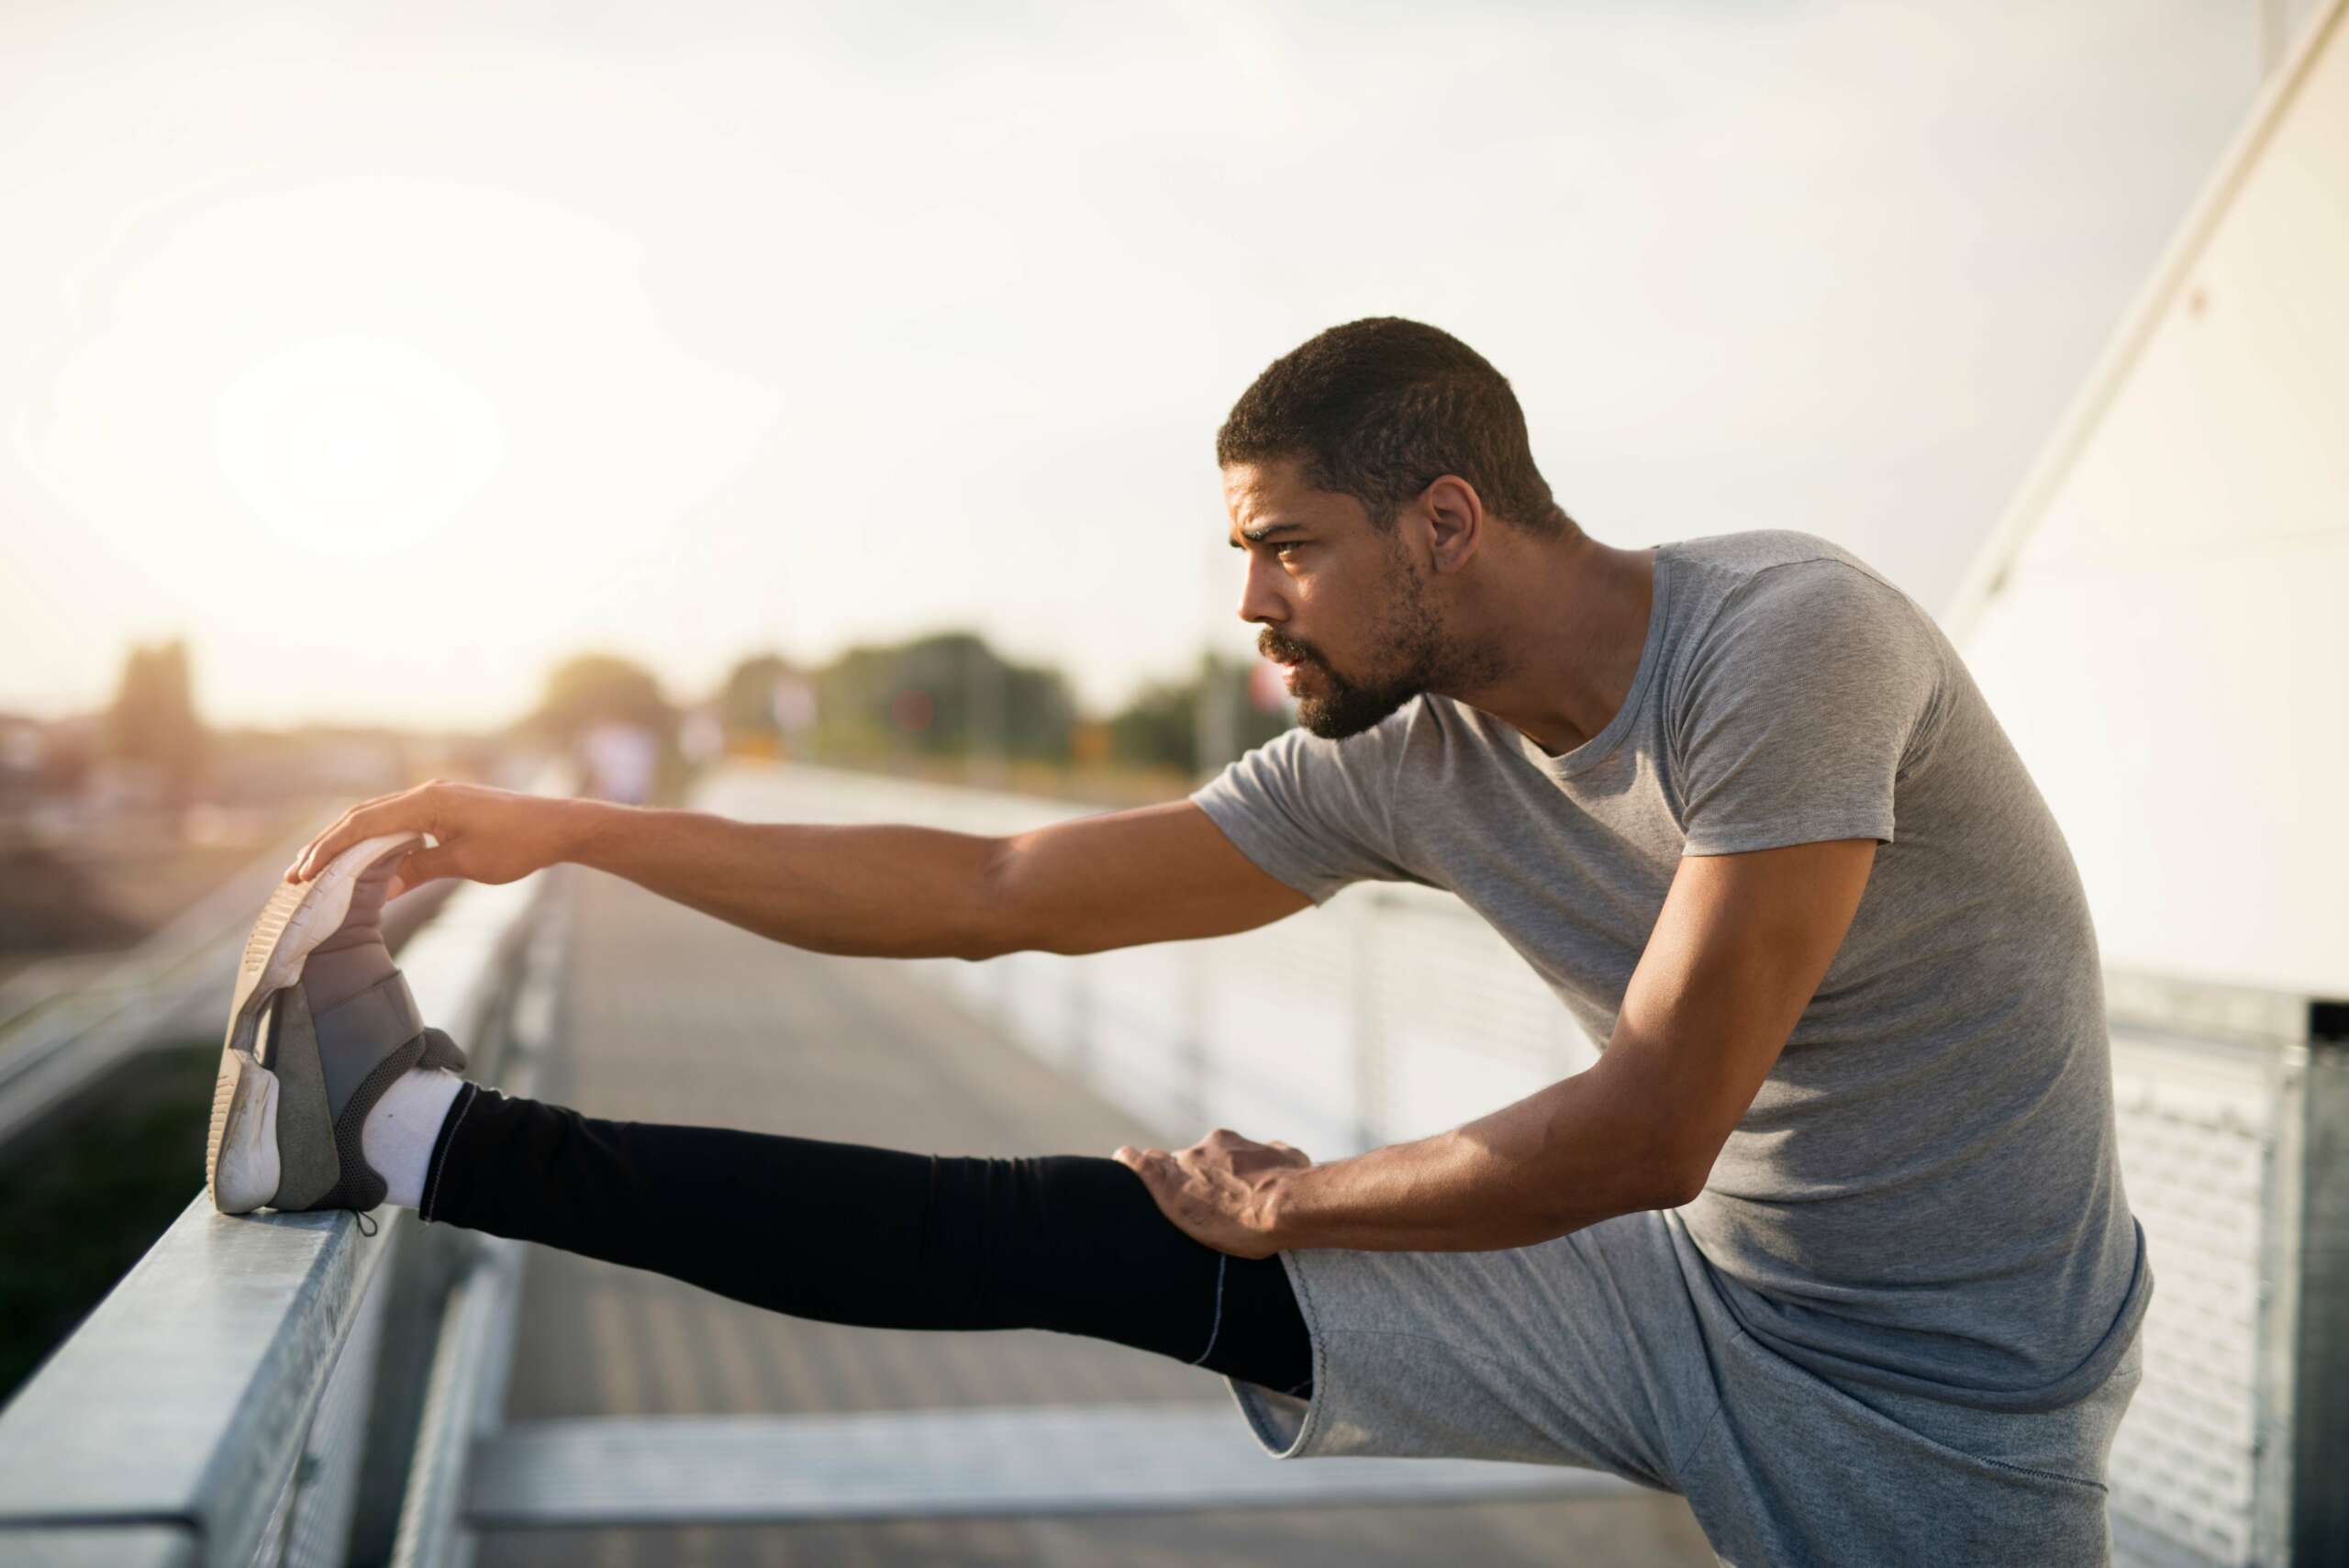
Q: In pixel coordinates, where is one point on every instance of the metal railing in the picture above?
(212, 1409)
(1393, 1012)
(235, 1397)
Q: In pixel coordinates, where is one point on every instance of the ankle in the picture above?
(403, 1127)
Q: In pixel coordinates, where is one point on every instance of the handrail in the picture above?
(175, 1423)
(466, 1387)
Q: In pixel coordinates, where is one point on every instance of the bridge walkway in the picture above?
(669, 1016)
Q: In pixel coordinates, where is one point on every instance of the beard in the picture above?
(1419, 657)
(1348, 709)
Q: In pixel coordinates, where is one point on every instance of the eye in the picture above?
(1280, 549)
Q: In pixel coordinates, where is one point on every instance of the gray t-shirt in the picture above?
(1926, 1194)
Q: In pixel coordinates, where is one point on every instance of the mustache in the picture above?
(1282, 650)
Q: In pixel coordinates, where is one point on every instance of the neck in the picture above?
(1562, 640)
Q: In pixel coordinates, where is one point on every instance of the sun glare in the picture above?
(356, 447)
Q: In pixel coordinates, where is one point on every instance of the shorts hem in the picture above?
(1285, 1425)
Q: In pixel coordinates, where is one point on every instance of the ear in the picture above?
(1456, 516)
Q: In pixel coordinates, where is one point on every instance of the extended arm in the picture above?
(1158, 874)
(1739, 947)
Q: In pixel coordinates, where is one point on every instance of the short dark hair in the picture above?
(1380, 408)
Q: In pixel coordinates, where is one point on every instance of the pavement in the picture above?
(667, 1015)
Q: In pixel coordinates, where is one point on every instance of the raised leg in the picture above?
(883, 1238)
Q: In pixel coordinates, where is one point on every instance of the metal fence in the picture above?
(2234, 1113)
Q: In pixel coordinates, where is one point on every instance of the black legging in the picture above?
(848, 1233)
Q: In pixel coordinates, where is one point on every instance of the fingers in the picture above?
(299, 870)
(405, 811)
(358, 825)
(1169, 1172)
(1147, 1164)
(420, 866)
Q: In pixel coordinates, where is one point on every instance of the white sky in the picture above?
(392, 355)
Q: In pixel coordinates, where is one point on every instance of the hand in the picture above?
(1221, 1190)
(484, 834)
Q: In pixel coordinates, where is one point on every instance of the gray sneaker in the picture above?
(321, 1025)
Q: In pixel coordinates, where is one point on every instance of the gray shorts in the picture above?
(1610, 1348)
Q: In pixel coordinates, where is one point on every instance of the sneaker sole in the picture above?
(240, 1158)
(240, 1161)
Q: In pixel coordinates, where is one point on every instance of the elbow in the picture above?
(1682, 1190)
(980, 943)
(1675, 1167)
(978, 950)
(1680, 1175)
(991, 927)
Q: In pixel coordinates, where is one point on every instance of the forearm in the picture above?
(1569, 1156)
(878, 890)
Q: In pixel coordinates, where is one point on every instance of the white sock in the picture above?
(398, 1133)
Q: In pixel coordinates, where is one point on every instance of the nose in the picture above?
(1260, 599)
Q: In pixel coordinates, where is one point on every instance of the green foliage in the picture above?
(1159, 727)
(746, 699)
(85, 1195)
(1163, 725)
(948, 694)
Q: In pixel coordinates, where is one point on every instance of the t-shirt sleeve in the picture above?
(1314, 812)
(1804, 702)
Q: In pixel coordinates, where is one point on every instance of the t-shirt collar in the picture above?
(1600, 746)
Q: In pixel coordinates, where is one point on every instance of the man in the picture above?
(1832, 1239)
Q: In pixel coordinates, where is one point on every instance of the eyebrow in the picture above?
(1260, 534)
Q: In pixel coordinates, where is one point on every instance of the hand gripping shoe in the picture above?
(320, 1026)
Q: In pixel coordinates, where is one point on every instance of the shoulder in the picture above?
(1782, 581)
(1732, 562)
(1787, 616)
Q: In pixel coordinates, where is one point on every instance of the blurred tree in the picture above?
(946, 694)
(1168, 723)
(153, 722)
(1159, 729)
(608, 714)
(596, 688)
(746, 698)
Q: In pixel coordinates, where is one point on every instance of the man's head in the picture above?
(1361, 470)
(1379, 408)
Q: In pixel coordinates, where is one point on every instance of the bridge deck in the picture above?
(669, 1016)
